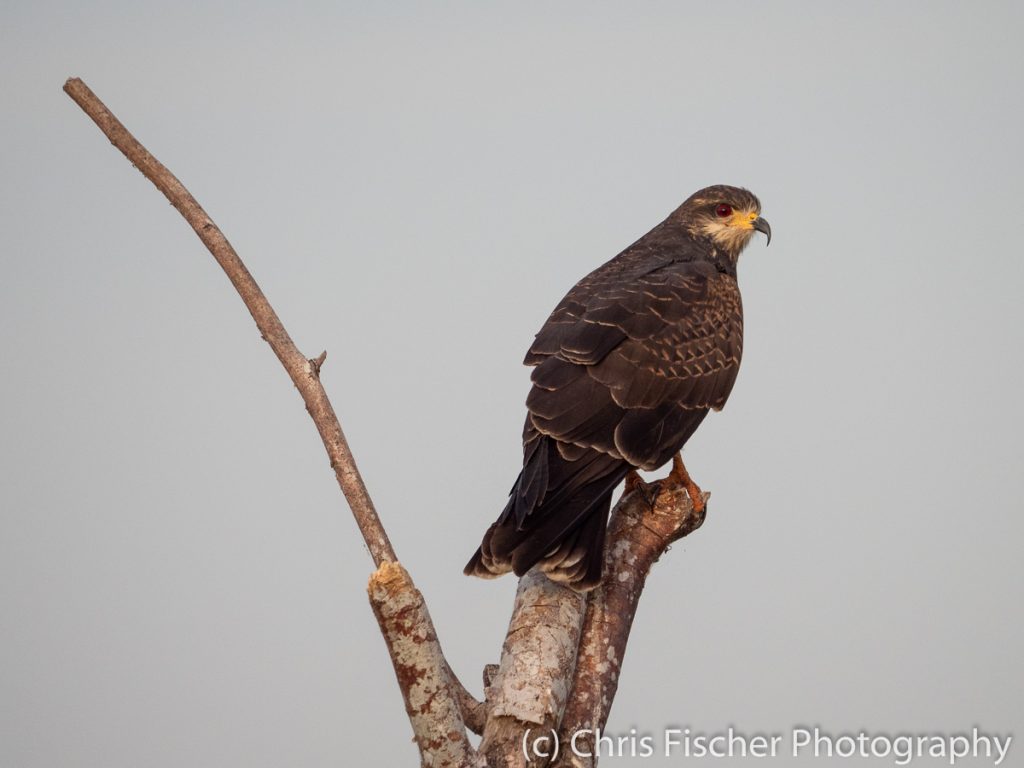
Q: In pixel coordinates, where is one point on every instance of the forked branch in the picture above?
(560, 663)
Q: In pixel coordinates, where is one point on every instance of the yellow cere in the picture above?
(743, 219)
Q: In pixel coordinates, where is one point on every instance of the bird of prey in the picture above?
(625, 369)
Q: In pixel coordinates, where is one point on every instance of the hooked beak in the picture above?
(761, 225)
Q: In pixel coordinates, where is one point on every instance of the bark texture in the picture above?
(422, 672)
(531, 686)
(643, 525)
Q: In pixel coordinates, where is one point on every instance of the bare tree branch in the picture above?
(639, 532)
(429, 697)
(420, 667)
(562, 654)
(303, 372)
(530, 689)
(474, 713)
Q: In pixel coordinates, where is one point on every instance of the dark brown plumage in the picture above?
(626, 368)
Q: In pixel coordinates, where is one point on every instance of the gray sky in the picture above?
(415, 188)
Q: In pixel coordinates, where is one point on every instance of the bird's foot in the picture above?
(679, 476)
(636, 483)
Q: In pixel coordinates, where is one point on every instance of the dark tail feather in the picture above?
(579, 564)
(563, 534)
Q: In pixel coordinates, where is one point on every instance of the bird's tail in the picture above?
(562, 532)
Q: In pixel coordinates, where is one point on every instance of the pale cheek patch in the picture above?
(732, 239)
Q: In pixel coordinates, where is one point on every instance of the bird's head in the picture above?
(728, 216)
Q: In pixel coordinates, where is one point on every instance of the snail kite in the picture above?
(625, 370)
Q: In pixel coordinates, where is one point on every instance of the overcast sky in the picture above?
(415, 187)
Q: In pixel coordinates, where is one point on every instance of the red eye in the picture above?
(724, 210)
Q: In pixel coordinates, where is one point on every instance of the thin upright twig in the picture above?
(303, 372)
(406, 621)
